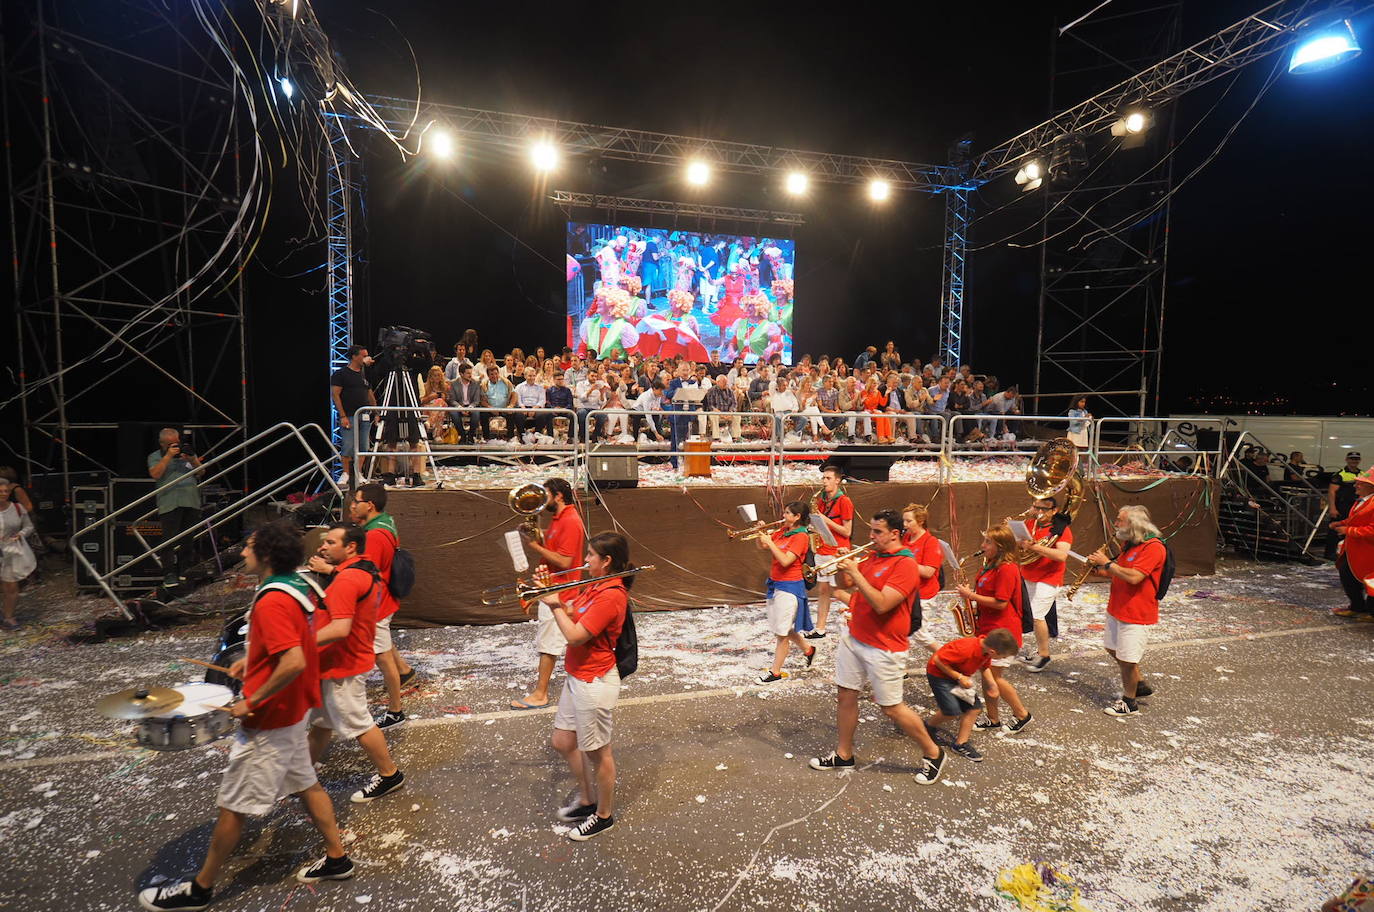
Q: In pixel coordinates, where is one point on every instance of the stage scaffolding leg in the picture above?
(957, 212)
(340, 193)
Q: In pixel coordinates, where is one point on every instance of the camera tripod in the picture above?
(398, 391)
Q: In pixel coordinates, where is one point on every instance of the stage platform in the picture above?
(456, 536)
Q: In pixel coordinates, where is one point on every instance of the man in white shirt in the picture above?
(651, 400)
(591, 396)
(531, 395)
(783, 402)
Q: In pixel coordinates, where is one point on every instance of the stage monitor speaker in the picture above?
(858, 463)
(51, 498)
(90, 504)
(613, 468)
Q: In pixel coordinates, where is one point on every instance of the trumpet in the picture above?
(752, 532)
(811, 574)
(497, 594)
(523, 593)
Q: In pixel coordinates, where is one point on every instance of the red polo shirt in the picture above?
(885, 631)
(1001, 582)
(928, 554)
(797, 541)
(1042, 569)
(567, 536)
(278, 623)
(841, 510)
(1136, 603)
(601, 610)
(351, 594)
(965, 655)
(381, 550)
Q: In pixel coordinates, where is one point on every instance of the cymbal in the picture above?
(138, 703)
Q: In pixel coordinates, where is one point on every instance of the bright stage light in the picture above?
(287, 89)
(698, 173)
(797, 183)
(1324, 43)
(1135, 122)
(544, 156)
(879, 190)
(1130, 128)
(1030, 176)
(441, 143)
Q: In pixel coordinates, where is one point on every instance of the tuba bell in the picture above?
(528, 501)
(1053, 472)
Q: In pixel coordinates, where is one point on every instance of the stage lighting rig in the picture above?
(441, 143)
(797, 183)
(879, 190)
(1325, 40)
(1031, 175)
(544, 156)
(1131, 126)
(698, 173)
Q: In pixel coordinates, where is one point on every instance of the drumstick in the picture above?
(208, 665)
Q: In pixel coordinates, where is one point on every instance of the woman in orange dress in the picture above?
(874, 401)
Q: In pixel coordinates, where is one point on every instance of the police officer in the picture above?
(1340, 497)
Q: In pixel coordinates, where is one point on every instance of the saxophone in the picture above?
(965, 615)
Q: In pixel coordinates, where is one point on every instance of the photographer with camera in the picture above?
(174, 467)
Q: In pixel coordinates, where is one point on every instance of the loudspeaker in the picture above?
(90, 504)
(613, 468)
(857, 463)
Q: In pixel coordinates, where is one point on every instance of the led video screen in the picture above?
(688, 293)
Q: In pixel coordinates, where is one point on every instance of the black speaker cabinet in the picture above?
(613, 468)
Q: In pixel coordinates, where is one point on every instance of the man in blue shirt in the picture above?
(499, 396)
(559, 396)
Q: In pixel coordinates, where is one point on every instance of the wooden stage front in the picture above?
(456, 536)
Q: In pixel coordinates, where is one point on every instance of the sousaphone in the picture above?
(1053, 472)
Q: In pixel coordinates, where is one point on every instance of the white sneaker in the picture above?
(343, 479)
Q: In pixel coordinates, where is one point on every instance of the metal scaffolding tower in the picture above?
(126, 208)
(957, 212)
(342, 195)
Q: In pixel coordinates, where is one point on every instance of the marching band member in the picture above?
(591, 621)
(929, 556)
(559, 555)
(1132, 604)
(344, 636)
(787, 609)
(366, 509)
(874, 650)
(997, 598)
(1045, 575)
(270, 756)
(837, 511)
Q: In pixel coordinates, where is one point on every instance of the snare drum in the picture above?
(192, 724)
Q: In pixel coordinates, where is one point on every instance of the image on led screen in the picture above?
(689, 293)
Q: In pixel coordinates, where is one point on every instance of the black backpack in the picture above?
(915, 615)
(810, 561)
(1027, 616)
(627, 644)
(402, 574)
(1166, 573)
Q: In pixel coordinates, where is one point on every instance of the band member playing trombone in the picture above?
(1045, 575)
(561, 550)
(997, 598)
(837, 510)
(591, 619)
(874, 650)
(787, 609)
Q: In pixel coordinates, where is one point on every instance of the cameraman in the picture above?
(349, 390)
(178, 499)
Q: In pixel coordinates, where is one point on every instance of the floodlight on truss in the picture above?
(698, 173)
(1030, 176)
(1324, 42)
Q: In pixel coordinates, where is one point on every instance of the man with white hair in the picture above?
(1133, 605)
(178, 500)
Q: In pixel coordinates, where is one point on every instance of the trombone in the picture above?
(755, 531)
(523, 593)
(499, 595)
(811, 574)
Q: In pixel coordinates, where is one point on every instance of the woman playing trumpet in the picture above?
(787, 608)
(997, 598)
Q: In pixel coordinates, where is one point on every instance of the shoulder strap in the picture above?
(301, 598)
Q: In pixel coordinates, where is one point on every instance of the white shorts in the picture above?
(264, 766)
(857, 663)
(1042, 598)
(922, 638)
(343, 707)
(828, 579)
(1126, 640)
(548, 639)
(782, 613)
(585, 707)
(381, 640)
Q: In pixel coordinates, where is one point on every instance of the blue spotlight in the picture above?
(1324, 43)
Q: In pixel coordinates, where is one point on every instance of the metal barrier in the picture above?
(1156, 440)
(513, 452)
(285, 433)
(995, 444)
(1295, 513)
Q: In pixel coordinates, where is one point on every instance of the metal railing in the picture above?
(1156, 441)
(1293, 513)
(252, 448)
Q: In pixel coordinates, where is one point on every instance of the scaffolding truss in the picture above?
(126, 200)
(343, 192)
(568, 200)
(957, 212)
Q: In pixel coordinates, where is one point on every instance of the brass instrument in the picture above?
(965, 615)
(1070, 592)
(528, 501)
(497, 594)
(524, 594)
(811, 574)
(755, 531)
(1053, 472)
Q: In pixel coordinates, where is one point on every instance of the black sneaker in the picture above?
(1143, 690)
(968, 751)
(575, 812)
(1122, 707)
(1038, 664)
(379, 786)
(593, 826)
(930, 773)
(770, 678)
(389, 718)
(185, 895)
(810, 656)
(1016, 725)
(831, 761)
(409, 676)
(326, 869)
(985, 724)
(814, 634)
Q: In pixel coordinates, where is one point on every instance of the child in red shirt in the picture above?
(997, 598)
(954, 665)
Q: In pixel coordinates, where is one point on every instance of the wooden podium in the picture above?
(696, 463)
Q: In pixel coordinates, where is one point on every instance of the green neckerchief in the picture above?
(900, 552)
(382, 521)
(795, 530)
(293, 580)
